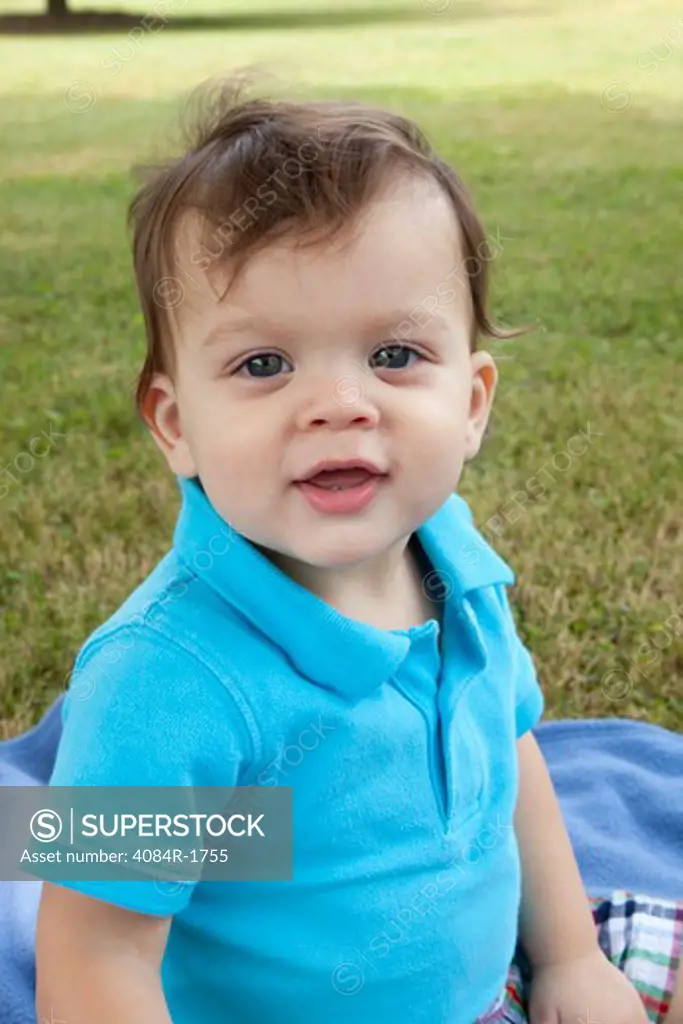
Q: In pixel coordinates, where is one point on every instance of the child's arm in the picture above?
(572, 979)
(98, 962)
(556, 922)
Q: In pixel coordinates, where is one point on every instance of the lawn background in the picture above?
(565, 120)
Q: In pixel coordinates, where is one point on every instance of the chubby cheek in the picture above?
(435, 425)
(231, 437)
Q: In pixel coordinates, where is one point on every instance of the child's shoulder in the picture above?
(167, 640)
(172, 603)
(148, 685)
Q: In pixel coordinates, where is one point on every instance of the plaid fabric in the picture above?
(640, 935)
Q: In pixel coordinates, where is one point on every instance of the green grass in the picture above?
(588, 199)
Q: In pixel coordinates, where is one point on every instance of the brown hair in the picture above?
(255, 169)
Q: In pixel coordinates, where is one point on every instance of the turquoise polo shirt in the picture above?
(399, 746)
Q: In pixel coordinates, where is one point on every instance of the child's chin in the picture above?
(339, 552)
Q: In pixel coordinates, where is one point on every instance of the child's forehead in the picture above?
(405, 236)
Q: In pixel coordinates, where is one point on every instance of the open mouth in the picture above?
(342, 489)
(340, 479)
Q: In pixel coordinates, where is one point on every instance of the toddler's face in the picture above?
(313, 356)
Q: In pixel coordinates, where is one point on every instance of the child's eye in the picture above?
(265, 364)
(394, 357)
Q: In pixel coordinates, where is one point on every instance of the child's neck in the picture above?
(388, 594)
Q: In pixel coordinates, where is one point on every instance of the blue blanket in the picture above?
(620, 784)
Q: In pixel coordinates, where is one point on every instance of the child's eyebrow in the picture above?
(388, 320)
(391, 320)
(222, 331)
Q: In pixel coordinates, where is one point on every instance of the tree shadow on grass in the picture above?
(93, 21)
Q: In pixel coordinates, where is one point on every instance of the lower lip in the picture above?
(351, 499)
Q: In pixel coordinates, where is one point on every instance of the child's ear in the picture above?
(162, 415)
(484, 381)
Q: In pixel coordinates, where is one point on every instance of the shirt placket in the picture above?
(417, 680)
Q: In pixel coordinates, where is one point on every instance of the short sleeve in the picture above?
(141, 710)
(529, 701)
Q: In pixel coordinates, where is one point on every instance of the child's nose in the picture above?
(338, 401)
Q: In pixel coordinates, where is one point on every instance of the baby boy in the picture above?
(313, 279)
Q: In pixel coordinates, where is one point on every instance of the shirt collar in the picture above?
(349, 657)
